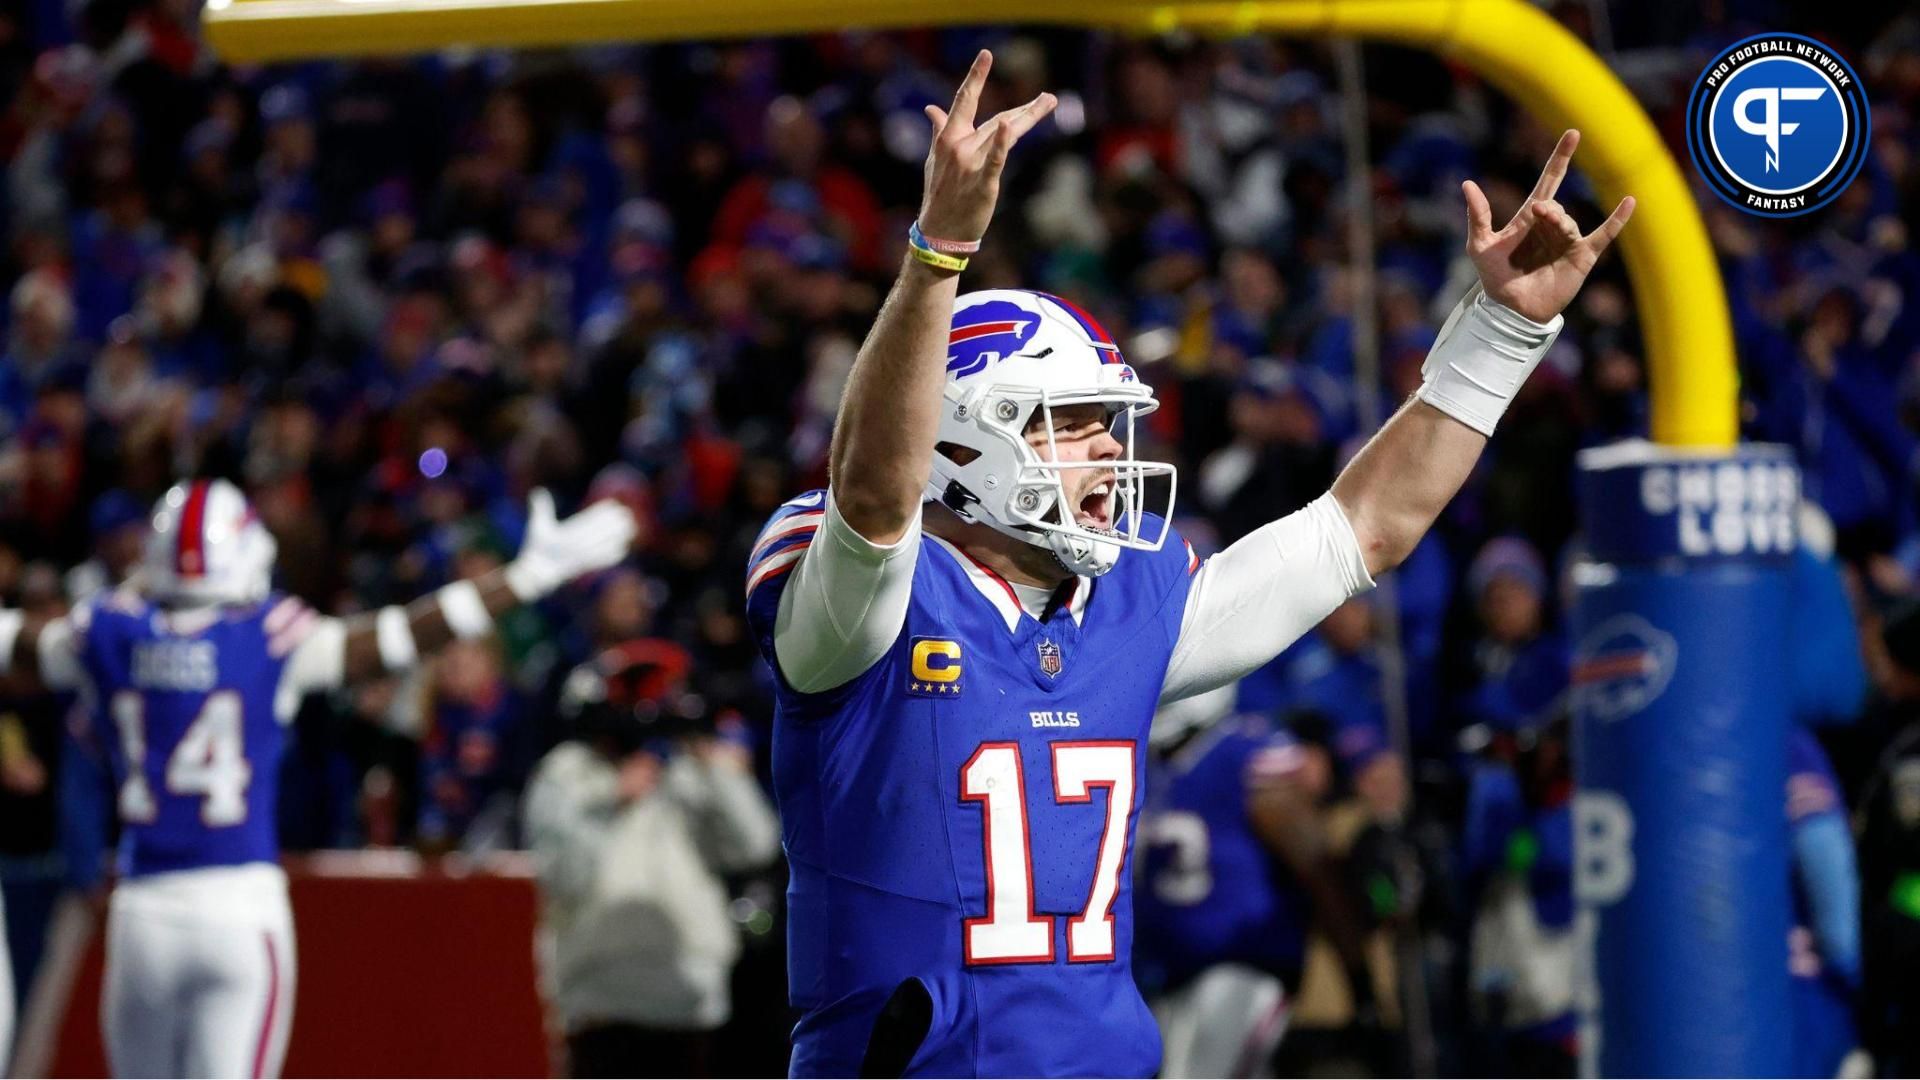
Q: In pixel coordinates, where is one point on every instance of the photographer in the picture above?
(632, 822)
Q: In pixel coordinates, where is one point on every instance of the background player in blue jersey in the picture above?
(1233, 869)
(190, 676)
(973, 626)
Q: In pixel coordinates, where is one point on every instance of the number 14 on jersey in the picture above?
(1011, 932)
(209, 760)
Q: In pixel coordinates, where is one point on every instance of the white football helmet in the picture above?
(207, 546)
(1014, 356)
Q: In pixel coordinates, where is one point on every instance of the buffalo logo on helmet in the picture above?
(987, 333)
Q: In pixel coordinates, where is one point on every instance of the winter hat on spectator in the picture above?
(206, 137)
(1274, 380)
(285, 103)
(115, 510)
(47, 291)
(67, 76)
(795, 197)
(627, 485)
(817, 252)
(390, 198)
(1508, 557)
(1174, 233)
(251, 269)
(644, 219)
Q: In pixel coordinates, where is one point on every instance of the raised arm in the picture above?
(1274, 584)
(883, 438)
(333, 652)
(847, 595)
(1529, 271)
(40, 648)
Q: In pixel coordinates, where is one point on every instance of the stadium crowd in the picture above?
(390, 297)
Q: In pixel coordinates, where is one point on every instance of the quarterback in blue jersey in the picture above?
(189, 676)
(972, 626)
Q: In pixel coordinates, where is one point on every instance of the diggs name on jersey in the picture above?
(175, 665)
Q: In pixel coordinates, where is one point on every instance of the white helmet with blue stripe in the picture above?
(1014, 356)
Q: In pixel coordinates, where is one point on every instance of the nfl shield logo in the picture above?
(1050, 658)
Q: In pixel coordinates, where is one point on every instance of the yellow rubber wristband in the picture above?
(935, 259)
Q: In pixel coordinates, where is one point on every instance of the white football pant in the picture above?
(1226, 1022)
(200, 973)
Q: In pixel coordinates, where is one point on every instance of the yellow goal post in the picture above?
(1519, 49)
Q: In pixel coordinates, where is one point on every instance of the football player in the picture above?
(973, 625)
(1233, 870)
(190, 675)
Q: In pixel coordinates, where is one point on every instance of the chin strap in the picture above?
(1098, 557)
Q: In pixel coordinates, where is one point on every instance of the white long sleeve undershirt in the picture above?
(848, 599)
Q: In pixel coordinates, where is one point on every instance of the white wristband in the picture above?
(10, 623)
(1481, 358)
(465, 612)
(393, 632)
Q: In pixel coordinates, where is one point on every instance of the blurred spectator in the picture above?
(1328, 688)
(1280, 457)
(1830, 678)
(118, 522)
(1517, 854)
(41, 321)
(1520, 661)
(1890, 854)
(467, 752)
(633, 821)
(800, 190)
(1832, 396)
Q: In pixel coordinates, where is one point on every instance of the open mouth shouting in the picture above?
(1095, 509)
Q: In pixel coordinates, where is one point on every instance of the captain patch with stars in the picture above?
(1778, 124)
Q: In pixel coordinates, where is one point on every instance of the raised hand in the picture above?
(1538, 262)
(964, 164)
(555, 552)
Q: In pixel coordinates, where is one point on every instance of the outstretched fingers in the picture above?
(1479, 216)
(967, 98)
(1000, 133)
(1598, 240)
(1549, 183)
(1021, 120)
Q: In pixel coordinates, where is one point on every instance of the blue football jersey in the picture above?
(962, 814)
(185, 710)
(1210, 891)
